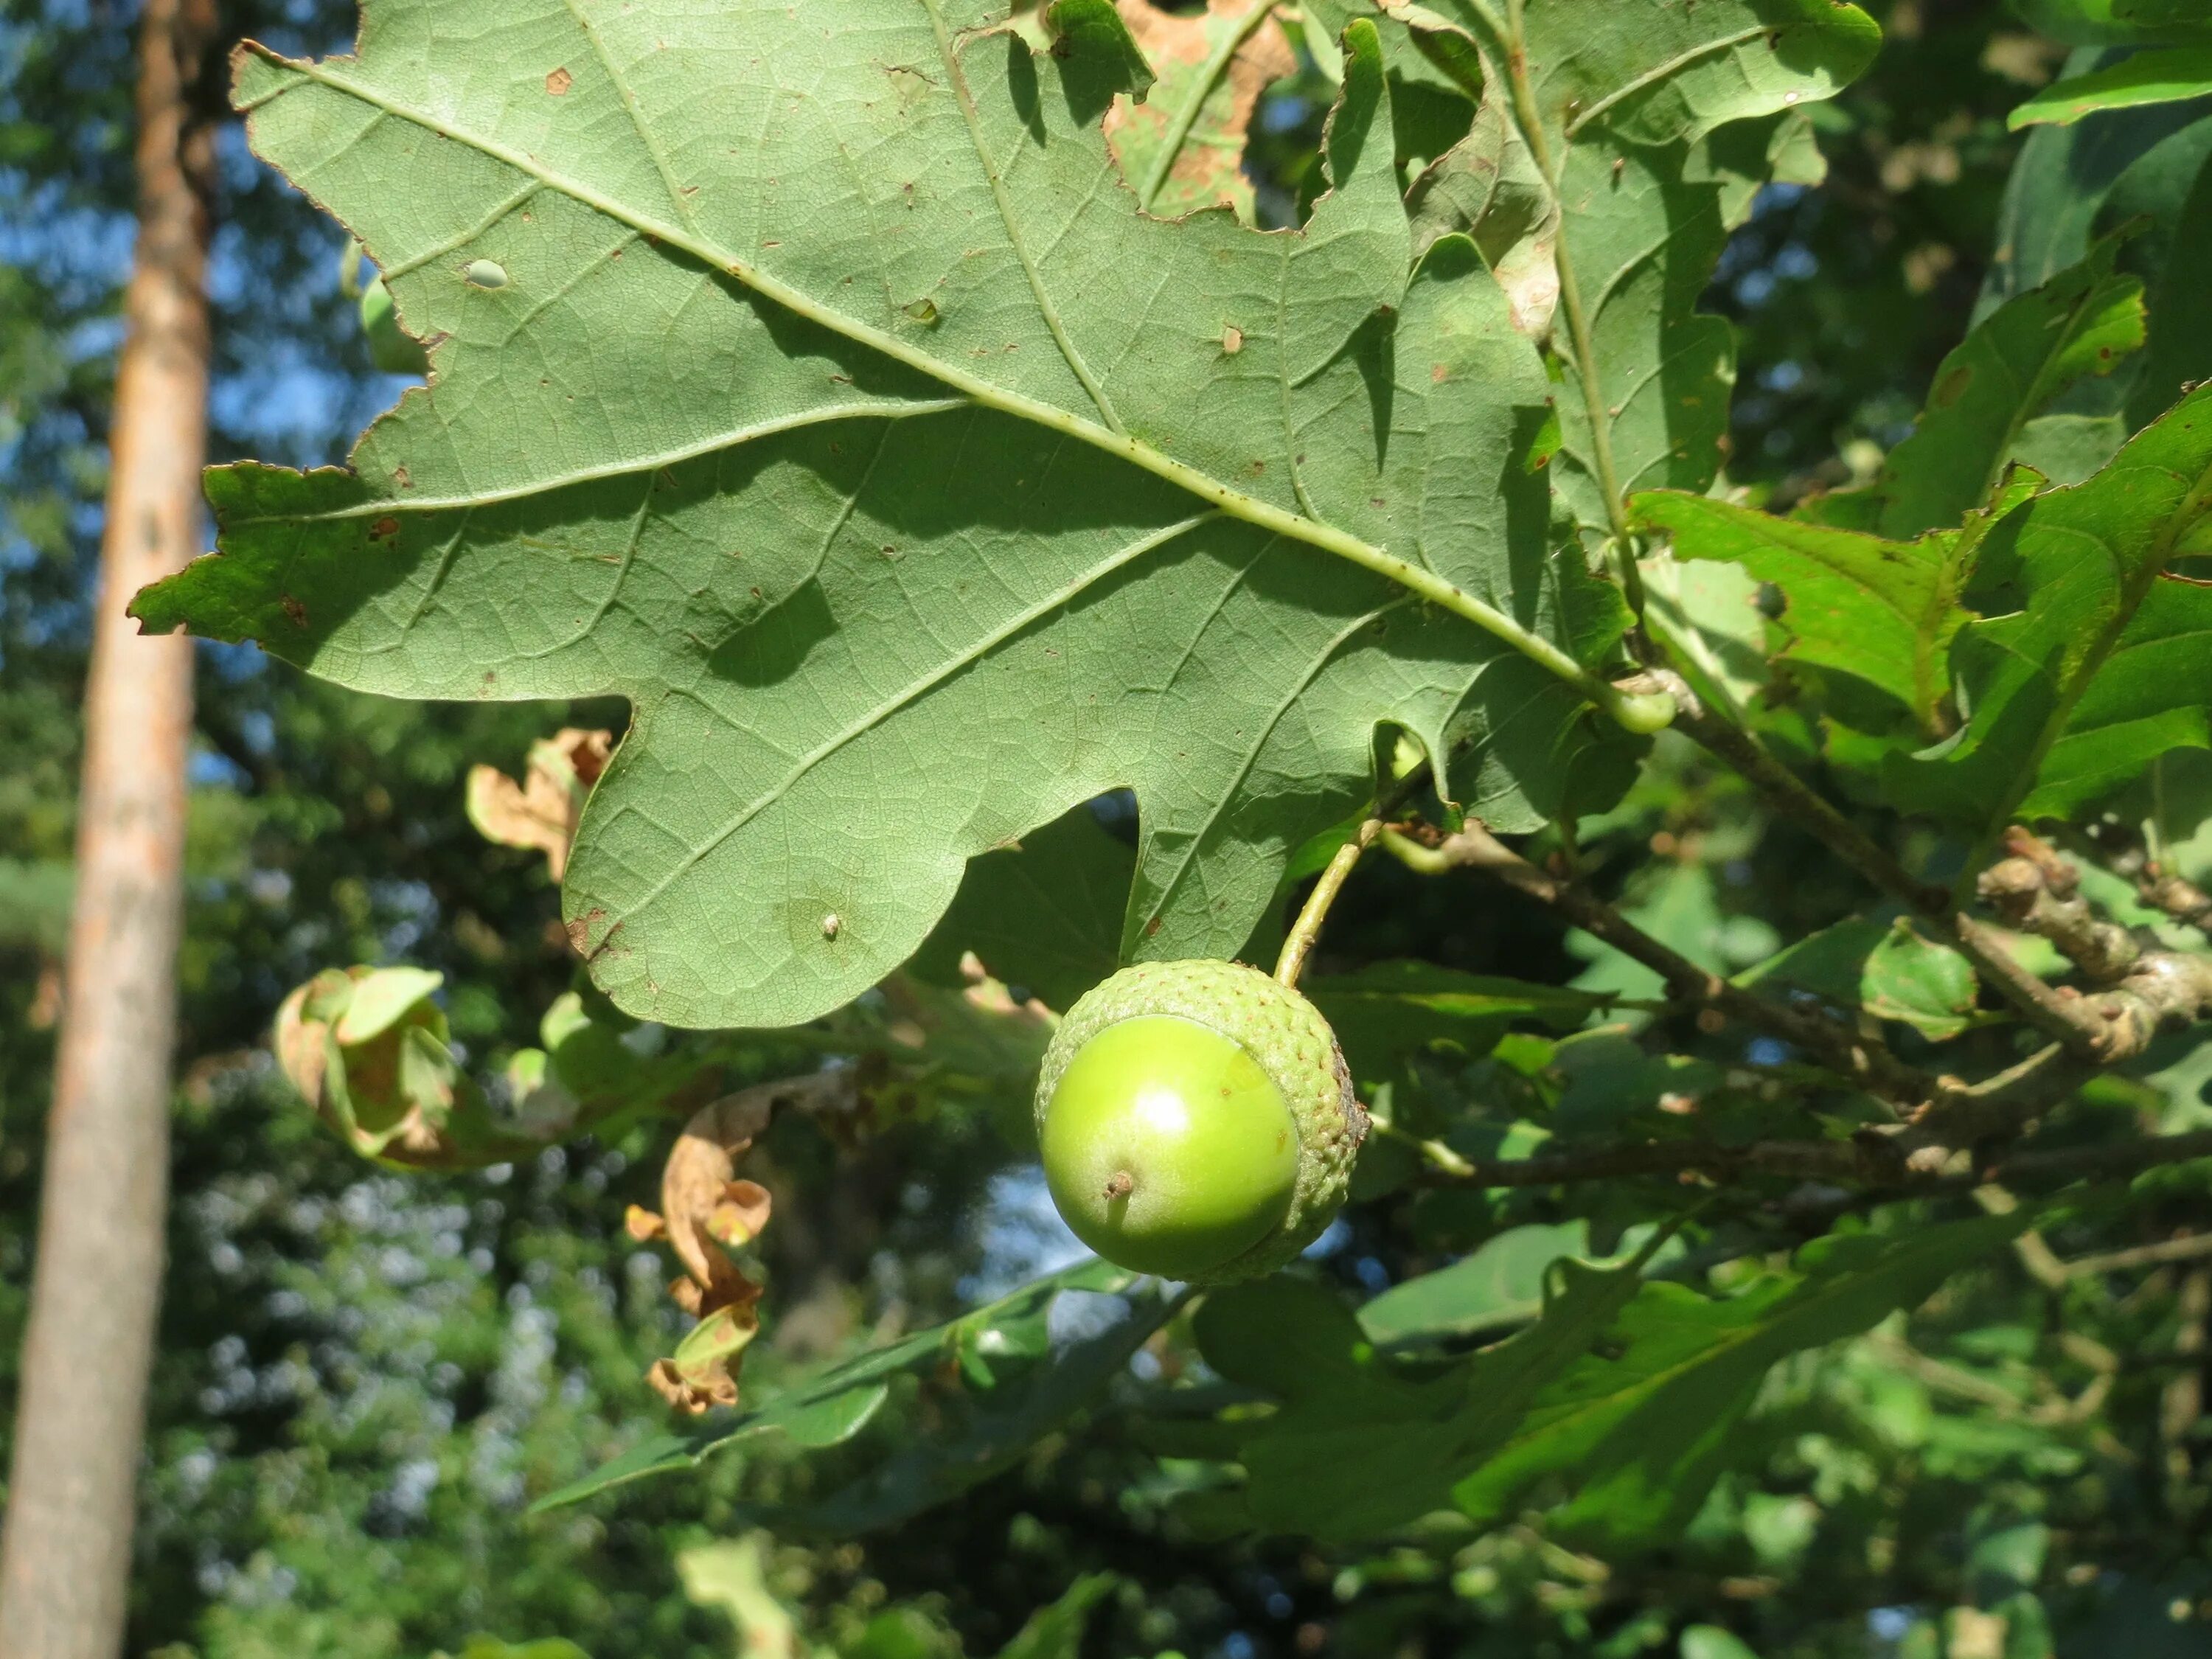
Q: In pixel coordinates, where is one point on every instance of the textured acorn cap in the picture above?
(1293, 1044)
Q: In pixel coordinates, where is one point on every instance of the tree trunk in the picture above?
(65, 1554)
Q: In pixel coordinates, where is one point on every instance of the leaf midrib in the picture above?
(1425, 583)
(377, 506)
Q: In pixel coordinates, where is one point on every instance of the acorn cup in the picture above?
(1197, 1121)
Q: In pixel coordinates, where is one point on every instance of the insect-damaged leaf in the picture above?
(842, 410)
(1182, 147)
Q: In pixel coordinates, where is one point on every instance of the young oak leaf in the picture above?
(838, 405)
(2017, 359)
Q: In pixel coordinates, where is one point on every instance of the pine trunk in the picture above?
(65, 1554)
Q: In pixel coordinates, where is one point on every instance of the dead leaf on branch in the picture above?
(1207, 166)
(370, 1051)
(706, 1212)
(540, 813)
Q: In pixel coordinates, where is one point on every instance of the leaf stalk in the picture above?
(1305, 931)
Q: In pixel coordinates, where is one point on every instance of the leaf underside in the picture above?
(819, 387)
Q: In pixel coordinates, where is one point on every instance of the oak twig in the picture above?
(1865, 1062)
(2012, 1099)
(2187, 1247)
(2143, 991)
(2036, 1002)
(1869, 1157)
(2182, 900)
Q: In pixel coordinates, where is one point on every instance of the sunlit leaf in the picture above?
(838, 406)
(2148, 78)
(1888, 970)
(1882, 612)
(2087, 664)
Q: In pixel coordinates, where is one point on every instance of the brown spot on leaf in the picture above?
(1953, 386)
(578, 930)
(294, 609)
(559, 81)
(385, 528)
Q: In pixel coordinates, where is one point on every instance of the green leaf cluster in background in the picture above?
(1622, 1393)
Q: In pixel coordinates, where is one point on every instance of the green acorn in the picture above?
(1196, 1120)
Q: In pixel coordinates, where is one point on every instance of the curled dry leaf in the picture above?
(1182, 148)
(369, 1050)
(541, 812)
(706, 1213)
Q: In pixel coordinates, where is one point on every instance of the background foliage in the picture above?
(368, 1376)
